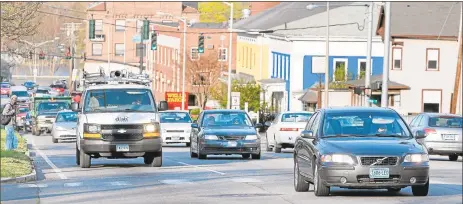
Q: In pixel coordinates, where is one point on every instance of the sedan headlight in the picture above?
(211, 137)
(60, 128)
(416, 158)
(92, 128)
(251, 137)
(337, 158)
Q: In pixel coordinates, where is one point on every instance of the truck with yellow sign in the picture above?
(44, 110)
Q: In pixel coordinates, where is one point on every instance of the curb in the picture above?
(26, 178)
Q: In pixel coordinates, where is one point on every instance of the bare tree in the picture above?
(19, 19)
(203, 72)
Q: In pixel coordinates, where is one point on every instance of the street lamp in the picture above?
(35, 46)
(230, 55)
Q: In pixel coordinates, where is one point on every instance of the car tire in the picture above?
(421, 190)
(453, 157)
(255, 156)
(300, 185)
(85, 160)
(269, 148)
(192, 154)
(153, 159)
(319, 188)
(394, 190)
(77, 155)
(246, 156)
(188, 144)
(201, 156)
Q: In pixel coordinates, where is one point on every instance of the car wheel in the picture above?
(188, 144)
(246, 156)
(421, 190)
(201, 156)
(85, 160)
(192, 154)
(394, 190)
(300, 185)
(77, 155)
(453, 157)
(255, 156)
(319, 188)
(269, 148)
(153, 159)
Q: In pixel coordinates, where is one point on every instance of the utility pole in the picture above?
(327, 68)
(387, 46)
(71, 28)
(456, 89)
(368, 62)
(141, 49)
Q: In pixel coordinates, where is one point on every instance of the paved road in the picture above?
(226, 179)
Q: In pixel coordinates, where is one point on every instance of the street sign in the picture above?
(235, 100)
(373, 101)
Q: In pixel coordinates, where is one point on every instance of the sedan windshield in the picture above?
(20, 93)
(226, 119)
(42, 91)
(376, 124)
(175, 117)
(66, 117)
(446, 122)
(117, 100)
(295, 117)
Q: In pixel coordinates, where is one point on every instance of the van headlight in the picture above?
(211, 137)
(416, 158)
(151, 127)
(92, 128)
(337, 158)
(250, 137)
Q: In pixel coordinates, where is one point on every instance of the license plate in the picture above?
(122, 148)
(379, 173)
(232, 144)
(448, 137)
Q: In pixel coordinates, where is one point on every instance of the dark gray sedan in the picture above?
(360, 148)
(224, 132)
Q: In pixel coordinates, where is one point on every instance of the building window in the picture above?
(139, 26)
(141, 50)
(222, 54)
(431, 100)
(120, 25)
(119, 49)
(362, 68)
(98, 25)
(432, 59)
(97, 49)
(397, 58)
(340, 69)
(194, 53)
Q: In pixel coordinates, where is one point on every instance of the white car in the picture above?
(176, 127)
(283, 131)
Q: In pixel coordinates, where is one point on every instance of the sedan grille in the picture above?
(378, 161)
(174, 131)
(231, 138)
(367, 179)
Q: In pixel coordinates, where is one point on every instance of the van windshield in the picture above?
(119, 100)
(20, 93)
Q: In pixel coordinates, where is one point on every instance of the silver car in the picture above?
(443, 133)
(64, 127)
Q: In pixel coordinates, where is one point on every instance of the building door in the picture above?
(432, 101)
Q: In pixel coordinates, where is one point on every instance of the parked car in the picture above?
(175, 127)
(64, 127)
(443, 133)
(283, 131)
(380, 152)
(5, 88)
(21, 112)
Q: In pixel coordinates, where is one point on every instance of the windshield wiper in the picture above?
(342, 135)
(385, 135)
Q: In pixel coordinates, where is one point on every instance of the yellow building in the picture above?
(252, 56)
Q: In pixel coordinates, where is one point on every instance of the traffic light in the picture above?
(146, 30)
(41, 56)
(68, 53)
(201, 44)
(91, 29)
(30, 54)
(154, 41)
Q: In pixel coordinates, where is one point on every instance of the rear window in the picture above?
(446, 122)
(296, 117)
(5, 86)
(42, 91)
(57, 86)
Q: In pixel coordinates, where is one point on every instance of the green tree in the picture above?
(218, 12)
(340, 73)
(249, 92)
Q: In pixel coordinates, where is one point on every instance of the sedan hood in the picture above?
(371, 146)
(175, 126)
(230, 131)
(67, 125)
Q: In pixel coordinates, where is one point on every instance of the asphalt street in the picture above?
(224, 179)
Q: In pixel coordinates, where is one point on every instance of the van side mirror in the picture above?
(420, 134)
(163, 106)
(75, 107)
(307, 134)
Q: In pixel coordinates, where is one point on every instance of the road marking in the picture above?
(119, 183)
(431, 181)
(33, 186)
(73, 184)
(198, 167)
(246, 180)
(56, 169)
(175, 181)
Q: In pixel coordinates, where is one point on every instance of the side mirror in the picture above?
(268, 124)
(163, 106)
(420, 134)
(75, 107)
(307, 134)
(194, 125)
(259, 125)
(195, 121)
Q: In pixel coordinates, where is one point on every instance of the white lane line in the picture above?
(119, 183)
(56, 169)
(198, 167)
(246, 180)
(431, 181)
(175, 181)
(73, 184)
(33, 186)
